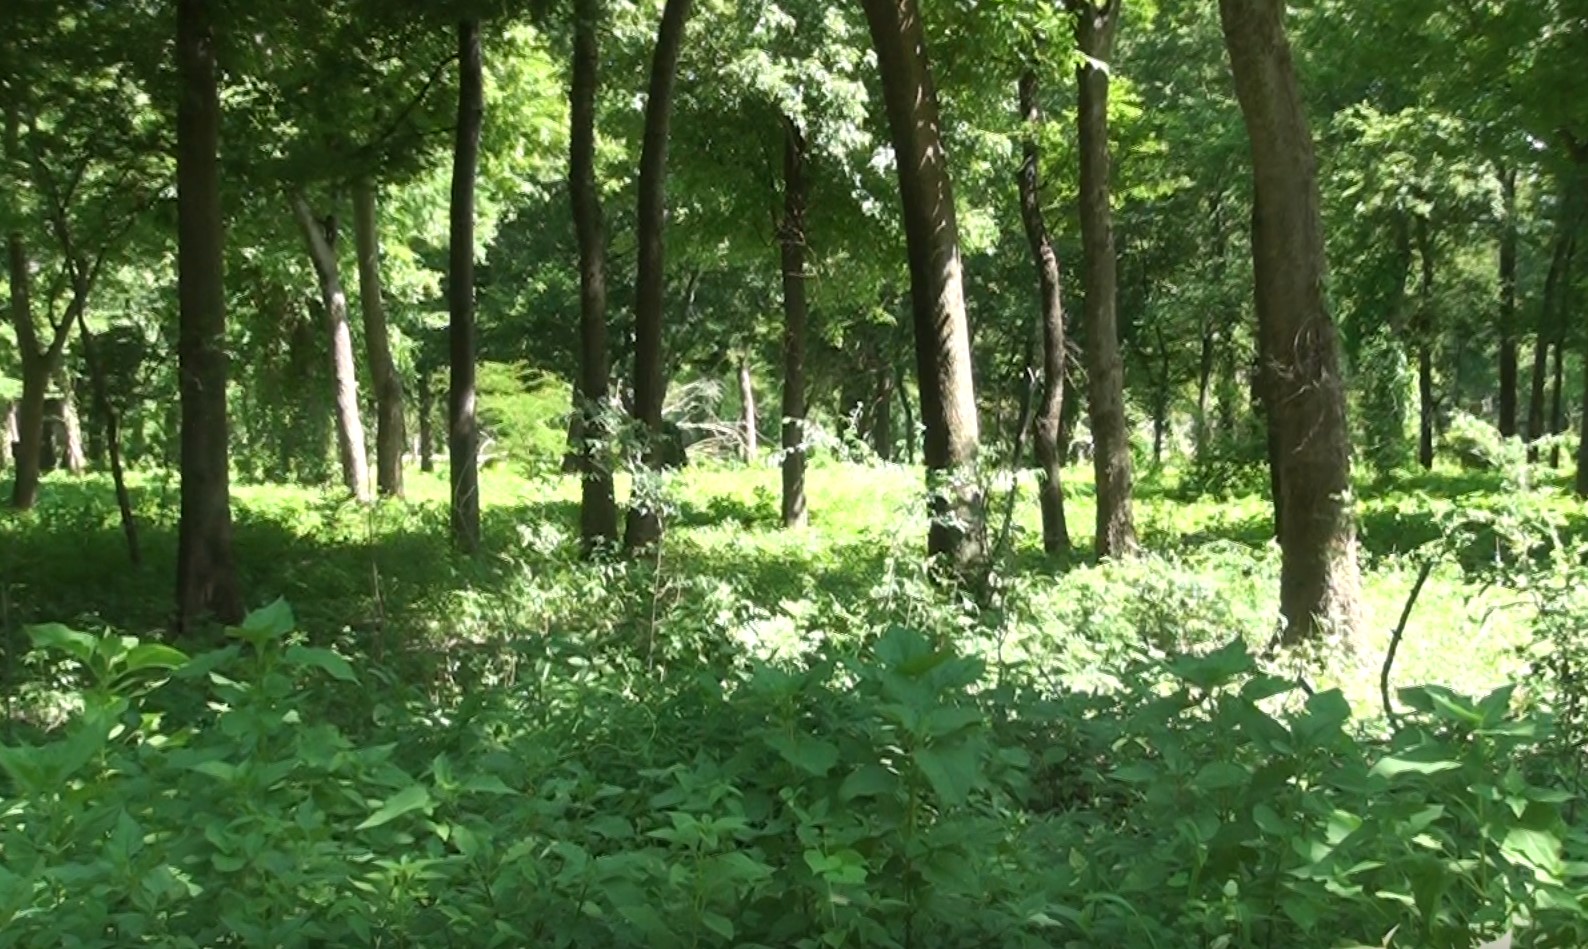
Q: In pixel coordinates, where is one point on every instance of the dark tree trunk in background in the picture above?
(882, 411)
(791, 241)
(1050, 410)
(39, 361)
(1557, 412)
(747, 423)
(1204, 389)
(111, 418)
(942, 333)
(644, 525)
(910, 433)
(463, 431)
(1508, 241)
(320, 238)
(206, 574)
(1320, 585)
(1423, 330)
(427, 415)
(8, 436)
(598, 511)
(388, 386)
(73, 457)
(1559, 265)
(1095, 29)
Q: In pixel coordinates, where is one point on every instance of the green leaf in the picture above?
(952, 770)
(153, 656)
(1539, 848)
(410, 798)
(1221, 776)
(868, 781)
(79, 646)
(1392, 767)
(265, 624)
(804, 752)
(323, 659)
(1216, 668)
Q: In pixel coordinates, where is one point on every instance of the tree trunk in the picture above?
(911, 430)
(111, 417)
(1095, 29)
(427, 415)
(320, 239)
(791, 241)
(1423, 330)
(1559, 264)
(463, 424)
(1204, 390)
(1557, 412)
(882, 412)
(747, 423)
(644, 526)
(73, 456)
(1320, 586)
(206, 575)
(598, 512)
(29, 443)
(388, 386)
(1050, 411)
(1508, 242)
(942, 333)
(8, 446)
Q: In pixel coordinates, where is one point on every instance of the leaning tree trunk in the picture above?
(206, 575)
(1320, 585)
(598, 512)
(321, 241)
(1508, 242)
(644, 527)
(747, 424)
(957, 536)
(791, 243)
(388, 386)
(39, 361)
(463, 423)
(1095, 30)
(1050, 413)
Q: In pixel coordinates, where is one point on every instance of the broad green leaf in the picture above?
(79, 646)
(952, 770)
(1221, 776)
(804, 752)
(1392, 767)
(323, 659)
(153, 656)
(1216, 668)
(410, 798)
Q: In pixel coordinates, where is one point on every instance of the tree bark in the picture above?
(111, 417)
(73, 456)
(1508, 253)
(463, 423)
(1050, 411)
(427, 414)
(1423, 330)
(1557, 413)
(882, 411)
(1095, 29)
(644, 526)
(8, 436)
(320, 238)
(1547, 330)
(206, 574)
(957, 537)
(1320, 585)
(747, 423)
(598, 512)
(911, 430)
(388, 386)
(791, 243)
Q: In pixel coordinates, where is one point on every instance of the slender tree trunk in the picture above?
(350, 446)
(1320, 586)
(1050, 410)
(598, 512)
(882, 411)
(791, 241)
(747, 423)
(8, 429)
(1423, 329)
(427, 415)
(73, 456)
(463, 424)
(30, 434)
(908, 409)
(1508, 242)
(942, 332)
(206, 575)
(1095, 29)
(1557, 412)
(388, 386)
(644, 526)
(1558, 266)
(1204, 389)
(111, 418)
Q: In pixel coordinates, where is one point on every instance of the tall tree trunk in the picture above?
(8, 435)
(388, 386)
(791, 241)
(463, 424)
(1559, 264)
(1204, 390)
(1320, 585)
(29, 442)
(320, 239)
(206, 575)
(598, 512)
(1423, 330)
(427, 415)
(747, 423)
(910, 427)
(644, 525)
(73, 455)
(882, 411)
(110, 415)
(1508, 242)
(1095, 29)
(957, 537)
(1557, 411)
(1050, 411)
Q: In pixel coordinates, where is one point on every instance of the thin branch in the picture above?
(1395, 640)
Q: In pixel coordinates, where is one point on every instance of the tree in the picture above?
(1050, 415)
(644, 527)
(463, 421)
(598, 513)
(792, 245)
(384, 378)
(937, 294)
(1319, 580)
(1095, 29)
(206, 575)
